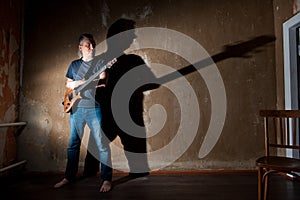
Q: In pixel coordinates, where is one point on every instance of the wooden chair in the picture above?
(281, 129)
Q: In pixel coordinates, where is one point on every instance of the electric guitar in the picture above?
(72, 95)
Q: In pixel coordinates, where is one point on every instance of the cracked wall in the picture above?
(10, 46)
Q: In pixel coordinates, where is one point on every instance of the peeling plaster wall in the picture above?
(51, 33)
(10, 35)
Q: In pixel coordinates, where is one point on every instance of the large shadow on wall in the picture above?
(134, 140)
(125, 74)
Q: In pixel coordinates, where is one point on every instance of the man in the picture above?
(86, 110)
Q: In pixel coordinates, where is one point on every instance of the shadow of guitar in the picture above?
(241, 50)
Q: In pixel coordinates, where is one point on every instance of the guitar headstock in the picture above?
(110, 63)
(245, 48)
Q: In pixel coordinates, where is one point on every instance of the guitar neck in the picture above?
(93, 77)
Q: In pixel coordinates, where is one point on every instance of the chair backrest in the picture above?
(281, 129)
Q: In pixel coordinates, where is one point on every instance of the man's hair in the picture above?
(87, 36)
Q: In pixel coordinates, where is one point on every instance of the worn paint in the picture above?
(9, 78)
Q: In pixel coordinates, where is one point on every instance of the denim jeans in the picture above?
(91, 117)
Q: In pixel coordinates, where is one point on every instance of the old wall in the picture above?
(10, 46)
(283, 10)
(209, 117)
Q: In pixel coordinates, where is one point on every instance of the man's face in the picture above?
(86, 47)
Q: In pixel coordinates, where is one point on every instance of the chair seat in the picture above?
(279, 163)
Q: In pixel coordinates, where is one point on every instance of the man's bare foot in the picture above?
(106, 186)
(61, 183)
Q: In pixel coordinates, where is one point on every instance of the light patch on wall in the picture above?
(38, 119)
(140, 15)
(104, 13)
(34, 143)
(147, 10)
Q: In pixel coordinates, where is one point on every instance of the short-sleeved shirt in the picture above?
(79, 70)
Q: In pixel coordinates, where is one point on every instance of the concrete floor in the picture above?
(241, 186)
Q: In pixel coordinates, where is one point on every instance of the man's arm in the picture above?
(74, 84)
(102, 81)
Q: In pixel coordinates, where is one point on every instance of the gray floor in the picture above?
(241, 186)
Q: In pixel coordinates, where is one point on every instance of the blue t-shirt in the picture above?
(79, 70)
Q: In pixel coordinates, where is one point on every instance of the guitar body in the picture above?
(69, 99)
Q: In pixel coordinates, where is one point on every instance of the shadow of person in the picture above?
(122, 76)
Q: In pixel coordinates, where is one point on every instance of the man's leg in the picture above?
(94, 122)
(91, 162)
(76, 131)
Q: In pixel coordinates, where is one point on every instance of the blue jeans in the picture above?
(91, 117)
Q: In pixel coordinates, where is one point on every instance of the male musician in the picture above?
(87, 110)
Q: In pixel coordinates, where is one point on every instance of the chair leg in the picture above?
(260, 183)
(266, 187)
